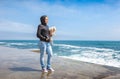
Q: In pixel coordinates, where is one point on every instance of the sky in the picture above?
(74, 19)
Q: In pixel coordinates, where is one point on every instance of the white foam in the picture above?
(75, 50)
(96, 60)
(16, 43)
(21, 44)
(2, 42)
(66, 46)
(98, 49)
(101, 56)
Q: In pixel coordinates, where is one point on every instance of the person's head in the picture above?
(44, 20)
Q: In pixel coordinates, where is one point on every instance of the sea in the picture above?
(98, 52)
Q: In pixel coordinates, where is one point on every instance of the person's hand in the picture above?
(47, 38)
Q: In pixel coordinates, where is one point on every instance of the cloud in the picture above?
(9, 26)
(16, 30)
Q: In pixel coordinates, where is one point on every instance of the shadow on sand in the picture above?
(43, 75)
(26, 69)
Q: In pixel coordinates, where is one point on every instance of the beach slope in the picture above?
(24, 64)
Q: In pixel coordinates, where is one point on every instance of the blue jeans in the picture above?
(45, 47)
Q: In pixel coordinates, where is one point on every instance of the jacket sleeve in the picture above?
(39, 33)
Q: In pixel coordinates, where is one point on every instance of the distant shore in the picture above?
(24, 64)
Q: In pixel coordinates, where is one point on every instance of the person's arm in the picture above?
(39, 33)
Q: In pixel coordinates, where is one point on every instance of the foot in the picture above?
(50, 69)
(44, 70)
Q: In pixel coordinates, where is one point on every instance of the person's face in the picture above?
(46, 20)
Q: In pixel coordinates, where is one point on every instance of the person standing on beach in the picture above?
(43, 34)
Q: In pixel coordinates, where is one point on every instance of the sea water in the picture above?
(98, 52)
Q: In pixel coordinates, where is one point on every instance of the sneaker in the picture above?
(50, 69)
(44, 70)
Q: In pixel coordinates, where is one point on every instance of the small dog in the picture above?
(52, 31)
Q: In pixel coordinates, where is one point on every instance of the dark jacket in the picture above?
(43, 33)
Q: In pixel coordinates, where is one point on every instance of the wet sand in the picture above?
(24, 64)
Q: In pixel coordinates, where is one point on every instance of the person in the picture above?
(43, 34)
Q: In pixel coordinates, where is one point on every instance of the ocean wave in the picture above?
(74, 49)
(95, 60)
(103, 56)
(1, 43)
(66, 46)
(20, 45)
(16, 43)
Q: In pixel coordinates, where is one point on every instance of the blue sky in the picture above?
(74, 20)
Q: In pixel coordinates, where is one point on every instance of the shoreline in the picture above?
(24, 64)
(38, 51)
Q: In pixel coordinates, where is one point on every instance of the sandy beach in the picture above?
(24, 64)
